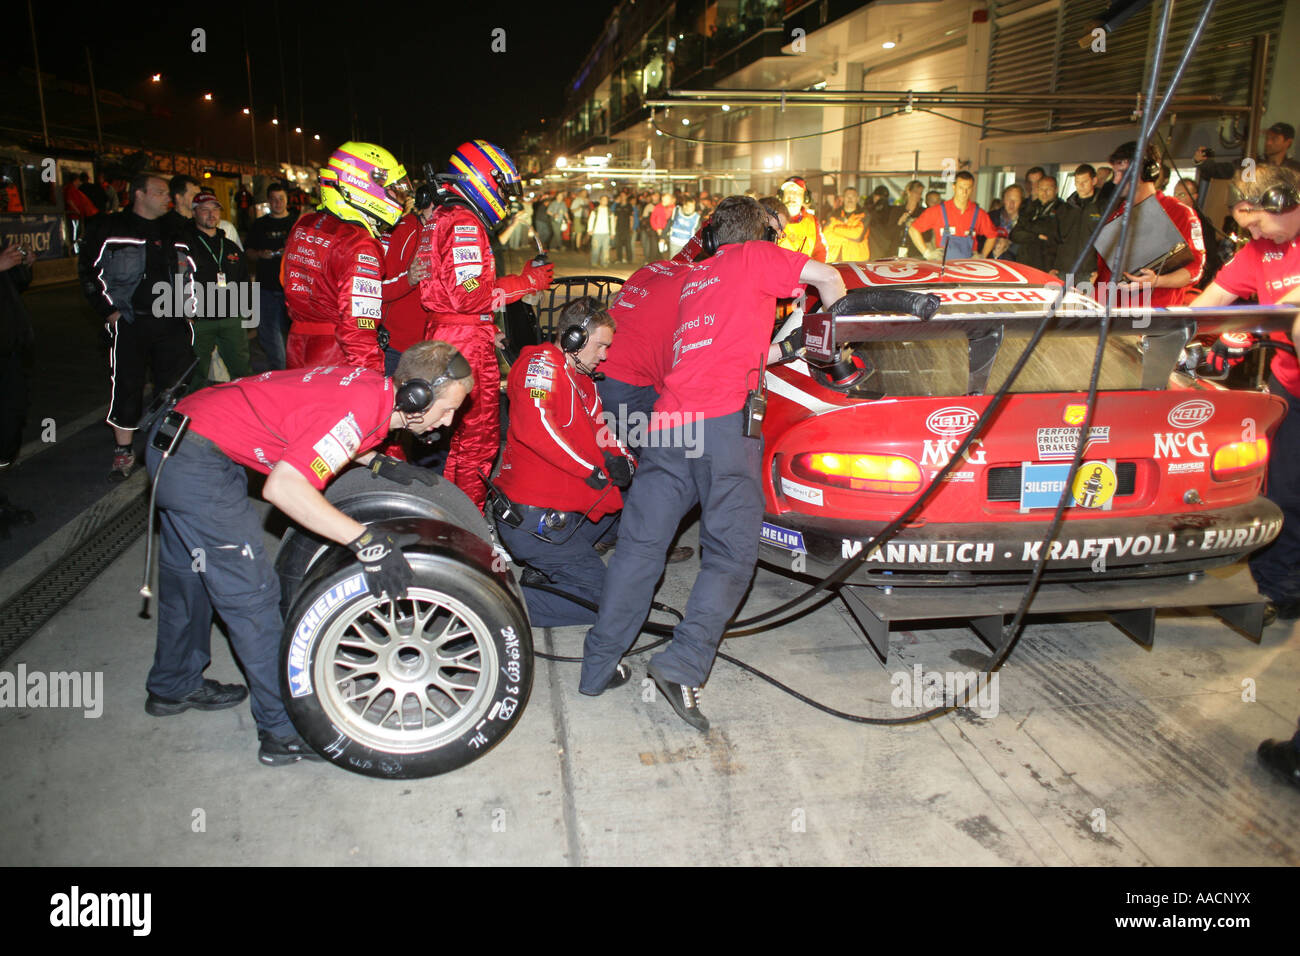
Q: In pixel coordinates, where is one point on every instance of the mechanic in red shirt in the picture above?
(1169, 288)
(957, 222)
(332, 269)
(1268, 267)
(462, 290)
(562, 468)
(300, 429)
(720, 346)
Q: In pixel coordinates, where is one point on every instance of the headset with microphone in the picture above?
(1280, 198)
(415, 395)
(709, 237)
(577, 333)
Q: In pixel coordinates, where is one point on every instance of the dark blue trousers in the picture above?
(569, 565)
(1277, 568)
(628, 405)
(211, 557)
(271, 327)
(724, 480)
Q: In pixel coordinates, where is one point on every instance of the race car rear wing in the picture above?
(1164, 332)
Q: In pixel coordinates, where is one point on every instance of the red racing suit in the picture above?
(332, 272)
(461, 292)
(557, 436)
(405, 317)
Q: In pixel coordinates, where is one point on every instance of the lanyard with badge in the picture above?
(216, 256)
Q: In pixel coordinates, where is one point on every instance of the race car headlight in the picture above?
(891, 474)
(1239, 459)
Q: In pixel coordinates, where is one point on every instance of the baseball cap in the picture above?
(1285, 130)
(207, 196)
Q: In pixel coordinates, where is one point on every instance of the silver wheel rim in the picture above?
(406, 676)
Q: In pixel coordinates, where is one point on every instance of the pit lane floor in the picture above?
(1101, 753)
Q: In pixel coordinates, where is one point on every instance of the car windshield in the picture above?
(1060, 364)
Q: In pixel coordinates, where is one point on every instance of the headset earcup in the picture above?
(708, 240)
(1279, 199)
(414, 396)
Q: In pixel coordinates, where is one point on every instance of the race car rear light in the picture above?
(891, 474)
(1239, 458)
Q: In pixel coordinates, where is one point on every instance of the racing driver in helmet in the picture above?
(460, 289)
(332, 270)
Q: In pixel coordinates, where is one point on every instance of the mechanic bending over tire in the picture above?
(558, 492)
(721, 345)
(300, 429)
(1268, 204)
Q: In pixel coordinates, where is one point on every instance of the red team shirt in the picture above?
(1270, 271)
(958, 221)
(646, 313)
(317, 419)
(405, 316)
(724, 327)
(1189, 226)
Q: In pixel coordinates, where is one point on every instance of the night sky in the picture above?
(421, 81)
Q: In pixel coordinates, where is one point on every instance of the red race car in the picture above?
(856, 429)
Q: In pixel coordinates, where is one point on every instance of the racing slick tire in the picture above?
(408, 688)
(363, 495)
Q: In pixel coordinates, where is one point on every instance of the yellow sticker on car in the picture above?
(1094, 484)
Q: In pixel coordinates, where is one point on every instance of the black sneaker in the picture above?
(278, 751)
(683, 699)
(1281, 757)
(210, 696)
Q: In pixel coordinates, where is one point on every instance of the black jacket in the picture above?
(1086, 215)
(215, 256)
(1053, 220)
(125, 257)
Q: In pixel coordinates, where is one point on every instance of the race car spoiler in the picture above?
(1165, 332)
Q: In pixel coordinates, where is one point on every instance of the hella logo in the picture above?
(1190, 414)
(951, 421)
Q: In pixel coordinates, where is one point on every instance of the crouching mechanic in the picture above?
(461, 290)
(562, 471)
(722, 344)
(300, 429)
(332, 270)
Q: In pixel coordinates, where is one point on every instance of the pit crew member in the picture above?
(300, 429)
(332, 269)
(562, 469)
(124, 258)
(956, 225)
(1168, 288)
(1268, 267)
(721, 345)
(461, 290)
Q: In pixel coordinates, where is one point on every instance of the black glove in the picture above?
(791, 344)
(597, 479)
(387, 570)
(402, 472)
(620, 469)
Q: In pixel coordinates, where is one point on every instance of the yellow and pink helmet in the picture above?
(365, 183)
